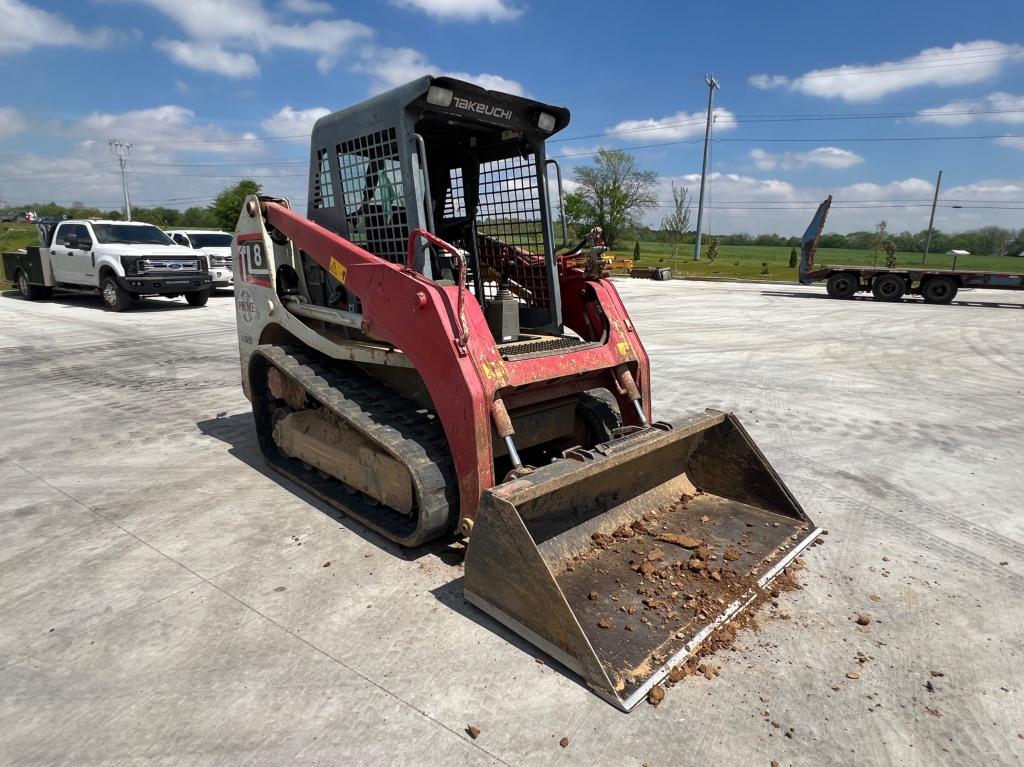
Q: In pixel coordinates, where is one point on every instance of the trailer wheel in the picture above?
(938, 290)
(888, 287)
(115, 298)
(842, 285)
(197, 297)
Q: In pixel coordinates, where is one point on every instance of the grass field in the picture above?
(746, 261)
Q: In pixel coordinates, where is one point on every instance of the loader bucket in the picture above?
(620, 561)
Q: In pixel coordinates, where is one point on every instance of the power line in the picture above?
(814, 140)
(741, 120)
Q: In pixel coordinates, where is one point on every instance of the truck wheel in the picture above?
(888, 287)
(115, 298)
(938, 290)
(197, 297)
(842, 285)
(24, 288)
(29, 291)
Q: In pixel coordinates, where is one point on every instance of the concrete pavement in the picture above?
(165, 598)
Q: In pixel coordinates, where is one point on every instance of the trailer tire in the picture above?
(842, 285)
(27, 290)
(115, 298)
(938, 290)
(197, 297)
(597, 415)
(888, 287)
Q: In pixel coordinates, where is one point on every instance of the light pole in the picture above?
(931, 221)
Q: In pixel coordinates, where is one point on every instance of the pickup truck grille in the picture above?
(221, 261)
(168, 264)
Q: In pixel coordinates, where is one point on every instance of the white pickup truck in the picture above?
(123, 260)
(213, 244)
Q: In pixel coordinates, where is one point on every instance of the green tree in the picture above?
(880, 243)
(677, 223)
(578, 215)
(792, 258)
(712, 252)
(199, 217)
(614, 192)
(636, 250)
(228, 205)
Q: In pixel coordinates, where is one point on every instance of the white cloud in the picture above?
(822, 157)
(208, 57)
(995, 107)
(678, 126)
(960, 64)
(155, 129)
(228, 31)
(11, 122)
(1014, 142)
(289, 123)
(391, 67)
(25, 27)
(767, 82)
(312, 7)
(464, 10)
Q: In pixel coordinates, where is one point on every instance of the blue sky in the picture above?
(807, 91)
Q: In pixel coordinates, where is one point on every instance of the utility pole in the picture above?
(712, 84)
(121, 150)
(931, 221)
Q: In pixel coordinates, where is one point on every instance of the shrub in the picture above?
(792, 258)
(764, 267)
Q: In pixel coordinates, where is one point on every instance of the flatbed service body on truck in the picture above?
(935, 286)
(122, 260)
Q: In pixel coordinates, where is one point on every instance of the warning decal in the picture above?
(338, 270)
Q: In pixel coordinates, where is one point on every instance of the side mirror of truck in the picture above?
(71, 241)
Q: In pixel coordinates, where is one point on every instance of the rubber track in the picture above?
(401, 427)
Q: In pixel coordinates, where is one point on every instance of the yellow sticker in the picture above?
(338, 270)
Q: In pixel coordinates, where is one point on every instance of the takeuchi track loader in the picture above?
(421, 354)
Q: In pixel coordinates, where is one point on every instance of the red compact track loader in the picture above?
(420, 354)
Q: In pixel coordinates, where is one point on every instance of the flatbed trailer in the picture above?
(935, 286)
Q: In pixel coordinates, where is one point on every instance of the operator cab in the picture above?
(464, 163)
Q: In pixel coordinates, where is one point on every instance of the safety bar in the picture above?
(463, 330)
(561, 202)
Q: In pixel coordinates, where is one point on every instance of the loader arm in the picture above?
(473, 390)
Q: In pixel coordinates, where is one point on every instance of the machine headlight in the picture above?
(546, 122)
(440, 97)
(130, 264)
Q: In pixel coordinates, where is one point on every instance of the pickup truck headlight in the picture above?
(130, 264)
(203, 264)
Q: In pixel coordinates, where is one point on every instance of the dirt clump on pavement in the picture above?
(680, 539)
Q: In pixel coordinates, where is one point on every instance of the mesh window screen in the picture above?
(510, 229)
(323, 190)
(455, 199)
(373, 192)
